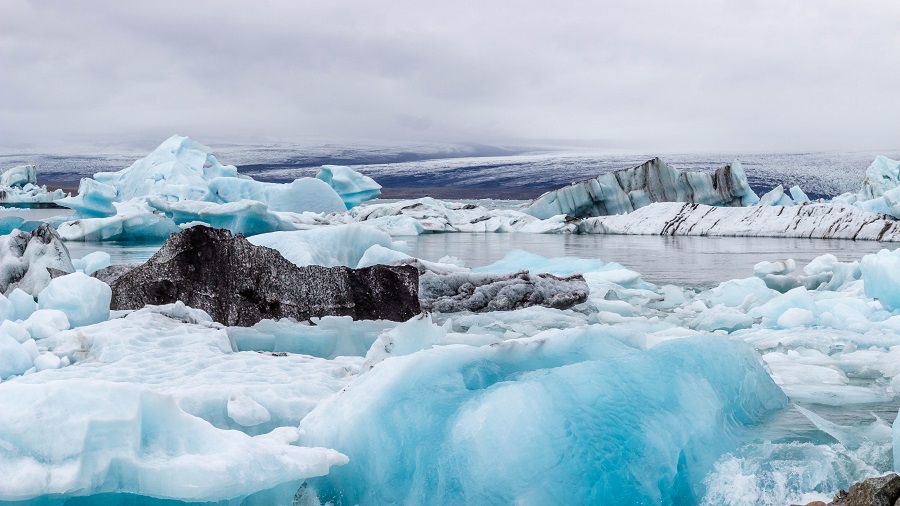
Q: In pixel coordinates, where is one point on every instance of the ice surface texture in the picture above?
(625, 190)
(146, 411)
(26, 257)
(566, 417)
(823, 221)
(239, 283)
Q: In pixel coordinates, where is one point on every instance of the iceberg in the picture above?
(19, 176)
(181, 182)
(26, 259)
(18, 185)
(126, 439)
(812, 221)
(353, 187)
(83, 299)
(625, 190)
(565, 417)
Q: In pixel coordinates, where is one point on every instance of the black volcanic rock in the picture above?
(473, 291)
(239, 283)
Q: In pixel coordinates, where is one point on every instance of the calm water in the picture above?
(696, 262)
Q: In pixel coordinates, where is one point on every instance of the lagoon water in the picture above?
(694, 262)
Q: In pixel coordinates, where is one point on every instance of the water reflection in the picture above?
(683, 261)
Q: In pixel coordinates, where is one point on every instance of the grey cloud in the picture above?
(697, 75)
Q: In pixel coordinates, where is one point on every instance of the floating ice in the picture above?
(302, 195)
(25, 259)
(814, 221)
(18, 185)
(439, 216)
(134, 220)
(353, 187)
(624, 191)
(84, 300)
(328, 246)
(14, 359)
(565, 417)
(182, 182)
(95, 436)
(19, 176)
(92, 262)
(881, 277)
(330, 337)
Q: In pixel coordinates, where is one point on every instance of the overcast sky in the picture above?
(643, 75)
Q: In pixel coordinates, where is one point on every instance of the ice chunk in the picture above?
(93, 262)
(624, 191)
(881, 277)
(44, 323)
(797, 299)
(722, 318)
(329, 337)
(353, 187)
(179, 169)
(520, 260)
(881, 176)
(775, 197)
(813, 221)
(47, 361)
(19, 176)
(84, 300)
(411, 336)
(15, 330)
(245, 411)
(94, 199)
(247, 217)
(14, 359)
(302, 195)
(99, 436)
(566, 417)
(19, 185)
(328, 246)
(798, 195)
(134, 220)
(378, 254)
(25, 259)
(23, 304)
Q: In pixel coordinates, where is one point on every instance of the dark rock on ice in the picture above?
(468, 291)
(110, 274)
(238, 283)
(880, 491)
(625, 190)
(27, 260)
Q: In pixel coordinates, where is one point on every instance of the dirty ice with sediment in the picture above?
(527, 379)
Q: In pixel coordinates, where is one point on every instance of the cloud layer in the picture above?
(652, 75)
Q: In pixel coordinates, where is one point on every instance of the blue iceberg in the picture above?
(566, 417)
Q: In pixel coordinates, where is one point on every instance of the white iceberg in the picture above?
(181, 182)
